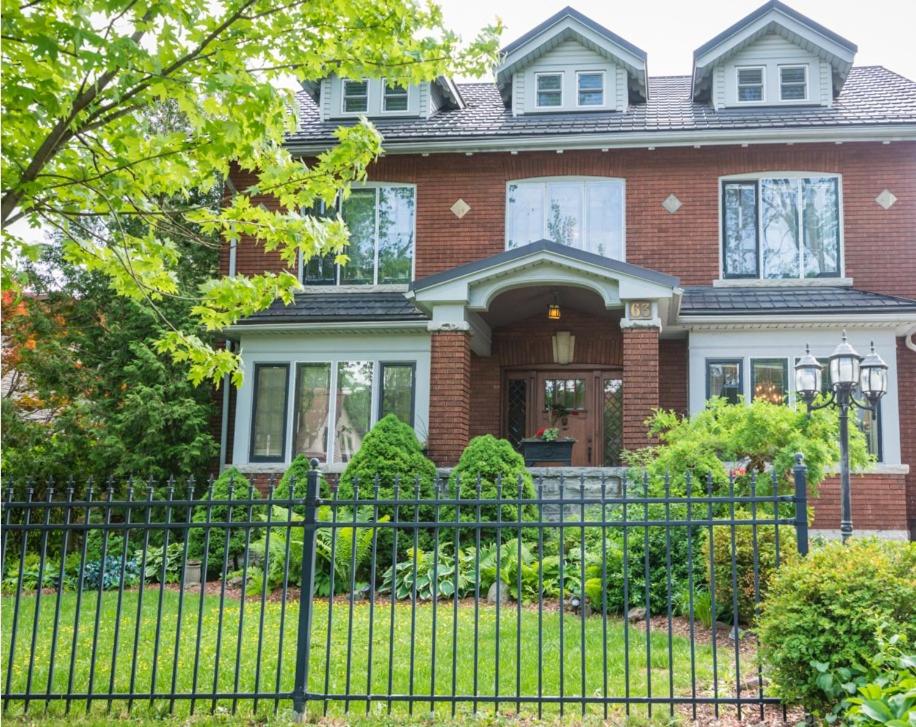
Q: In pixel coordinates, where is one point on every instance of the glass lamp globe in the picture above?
(808, 376)
(844, 365)
(873, 375)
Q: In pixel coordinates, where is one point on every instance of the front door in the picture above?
(583, 403)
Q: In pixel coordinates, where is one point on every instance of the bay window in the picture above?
(781, 227)
(381, 223)
(312, 410)
(268, 420)
(587, 214)
(354, 401)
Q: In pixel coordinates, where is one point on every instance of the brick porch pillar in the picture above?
(449, 396)
(640, 381)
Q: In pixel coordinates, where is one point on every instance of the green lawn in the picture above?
(418, 675)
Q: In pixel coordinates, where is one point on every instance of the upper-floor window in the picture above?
(781, 227)
(381, 222)
(793, 83)
(355, 96)
(549, 89)
(584, 213)
(590, 88)
(750, 84)
(394, 98)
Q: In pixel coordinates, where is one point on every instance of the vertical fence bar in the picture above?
(38, 589)
(307, 588)
(16, 602)
(120, 603)
(204, 565)
(60, 592)
(136, 645)
(181, 590)
(373, 568)
(79, 597)
(800, 472)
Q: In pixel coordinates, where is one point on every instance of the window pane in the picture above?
(870, 426)
(268, 420)
(768, 380)
(526, 214)
(792, 84)
(397, 391)
(605, 215)
(550, 90)
(779, 202)
(740, 230)
(750, 75)
(395, 98)
(750, 84)
(724, 379)
(358, 211)
(564, 213)
(321, 270)
(792, 75)
(354, 405)
(820, 217)
(313, 398)
(395, 231)
(591, 89)
(566, 393)
(355, 95)
(613, 422)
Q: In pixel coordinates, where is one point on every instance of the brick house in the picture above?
(689, 236)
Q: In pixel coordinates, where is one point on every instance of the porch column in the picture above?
(449, 396)
(640, 377)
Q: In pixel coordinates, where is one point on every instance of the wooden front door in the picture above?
(592, 397)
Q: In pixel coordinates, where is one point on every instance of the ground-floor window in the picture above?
(268, 420)
(724, 378)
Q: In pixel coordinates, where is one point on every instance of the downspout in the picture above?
(224, 423)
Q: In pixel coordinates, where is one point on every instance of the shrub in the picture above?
(294, 483)
(491, 461)
(113, 574)
(749, 581)
(231, 485)
(830, 609)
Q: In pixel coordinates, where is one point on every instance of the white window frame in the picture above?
(344, 96)
(537, 93)
(793, 66)
(603, 75)
(405, 95)
(763, 84)
(583, 205)
(760, 279)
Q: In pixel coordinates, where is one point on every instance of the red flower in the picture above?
(540, 432)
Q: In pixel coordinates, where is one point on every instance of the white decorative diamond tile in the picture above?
(886, 199)
(460, 208)
(672, 203)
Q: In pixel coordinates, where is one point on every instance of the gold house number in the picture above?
(640, 310)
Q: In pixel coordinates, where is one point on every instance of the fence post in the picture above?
(801, 503)
(306, 591)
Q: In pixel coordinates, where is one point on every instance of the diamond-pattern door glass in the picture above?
(613, 422)
(516, 411)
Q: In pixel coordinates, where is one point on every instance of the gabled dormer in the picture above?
(570, 63)
(773, 57)
(378, 98)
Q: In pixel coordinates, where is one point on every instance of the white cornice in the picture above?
(344, 327)
(898, 322)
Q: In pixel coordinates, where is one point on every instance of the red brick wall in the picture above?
(449, 396)
(672, 375)
(685, 244)
(486, 395)
(878, 503)
(640, 383)
(906, 392)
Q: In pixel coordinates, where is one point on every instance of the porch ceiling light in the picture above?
(553, 310)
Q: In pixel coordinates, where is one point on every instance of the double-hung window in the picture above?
(793, 83)
(590, 88)
(268, 416)
(355, 96)
(394, 98)
(781, 227)
(549, 90)
(381, 223)
(584, 213)
(751, 84)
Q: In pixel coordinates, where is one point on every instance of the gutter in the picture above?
(634, 139)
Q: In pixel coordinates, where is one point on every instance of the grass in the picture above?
(226, 639)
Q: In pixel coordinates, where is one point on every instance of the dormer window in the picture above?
(355, 97)
(549, 89)
(750, 84)
(590, 87)
(395, 98)
(793, 83)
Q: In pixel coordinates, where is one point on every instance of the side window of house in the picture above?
(381, 222)
(268, 420)
(770, 380)
(724, 378)
(778, 228)
(583, 213)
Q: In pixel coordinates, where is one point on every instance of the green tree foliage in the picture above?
(744, 439)
(828, 612)
(90, 396)
(84, 85)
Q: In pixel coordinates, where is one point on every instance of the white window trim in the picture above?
(763, 85)
(537, 76)
(598, 72)
(584, 180)
(839, 279)
(344, 96)
(385, 112)
(779, 70)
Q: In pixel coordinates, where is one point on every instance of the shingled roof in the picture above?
(872, 96)
(339, 307)
(828, 300)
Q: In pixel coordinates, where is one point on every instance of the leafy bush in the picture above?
(30, 573)
(155, 557)
(751, 576)
(294, 483)
(231, 486)
(432, 577)
(831, 608)
(492, 463)
(113, 574)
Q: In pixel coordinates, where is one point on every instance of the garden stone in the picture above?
(503, 593)
(634, 615)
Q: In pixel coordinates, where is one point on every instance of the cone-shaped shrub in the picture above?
(294, 483)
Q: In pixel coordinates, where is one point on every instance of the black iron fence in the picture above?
(442, 597)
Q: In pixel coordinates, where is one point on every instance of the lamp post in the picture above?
(850, 374)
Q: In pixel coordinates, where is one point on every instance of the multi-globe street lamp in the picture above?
(850, 374)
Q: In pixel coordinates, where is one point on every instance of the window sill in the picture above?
(384, 288)
(782, 283)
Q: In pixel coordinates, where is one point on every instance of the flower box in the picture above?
(536, 450)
